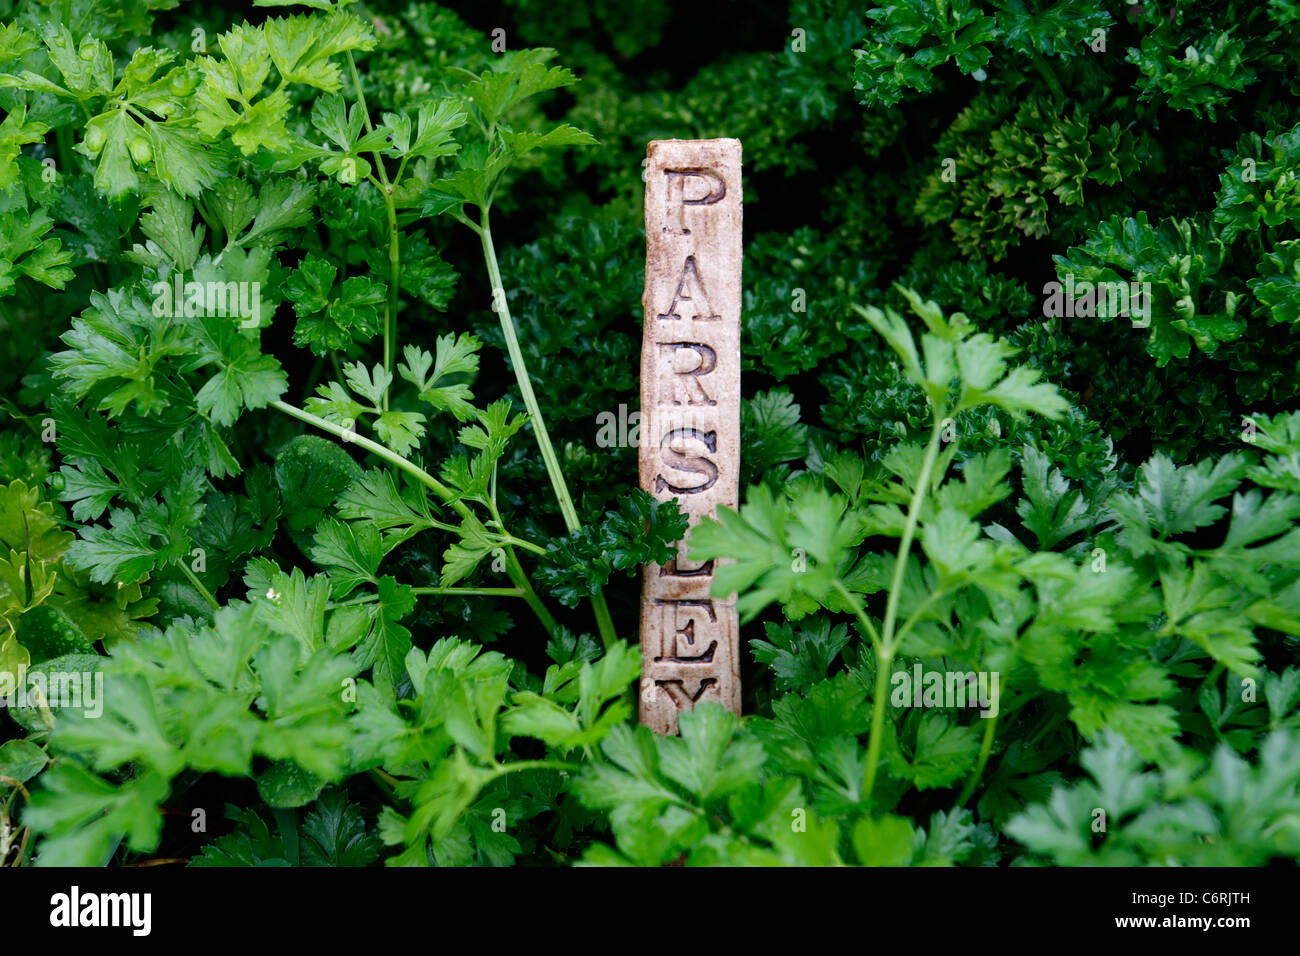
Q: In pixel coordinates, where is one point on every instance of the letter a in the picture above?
(691, 280)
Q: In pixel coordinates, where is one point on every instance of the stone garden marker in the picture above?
(690, 415)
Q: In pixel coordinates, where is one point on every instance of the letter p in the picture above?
(715, 190)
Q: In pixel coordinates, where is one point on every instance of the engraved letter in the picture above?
(677, 201)
(690, 278)
(707, 362)
(697, 465)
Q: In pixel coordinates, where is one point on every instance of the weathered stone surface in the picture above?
(690, 415)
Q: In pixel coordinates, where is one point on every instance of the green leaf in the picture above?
(944, 752)
(335, 834)
(456, 355)
(369, 384)
(592, 686)
(1051, 509)
(800, 658)
(285, 784)
(771, 431)
(777, 550)
(463, 557)
(883, 841)
(704, 759)
(122, 552)
(376, 497)
(350, 551)
(21, 760)
(1174, 500)
(84, 816)
(386, 644)
(565, 135)
(326, 323)
(640, 531)
(251, 844)
(311, 472)
(24, 251)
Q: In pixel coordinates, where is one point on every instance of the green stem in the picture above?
(915, 617)
(515, 570)
(394, 240)
(420, 475)
(1211, 677)
(856, 607)
(63, 136)
(885, 646)
(394, 278)
(526, 545)
(1047, 727)
(198, 585)
(378, 776)
(604, 622)
(549, 458)
(877, 725)
(909, 532)
(883, 658)
(519, 765)
(986, 748)
(361, 96)
(513, 566)
(387, 777)
(212, 223)
(471, 592)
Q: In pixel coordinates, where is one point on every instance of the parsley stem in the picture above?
(877, 725)
(471, 592)
(218, 233)
(63, 134)
(526, 545)
(513, 567)
(883, 657)
(361, 94)
(865, 621)
(604, 622)
(519, 765)
(515, 570)
(1211, 677)
(915, 617)
(378, 776)
(909, 532)
(390, 456)
(198, 585)
(1047, 726)
(394, 238)
(886, 646)
(394, 280)
(986, 747)
(549, 458)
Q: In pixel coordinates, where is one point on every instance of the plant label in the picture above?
(690, 415)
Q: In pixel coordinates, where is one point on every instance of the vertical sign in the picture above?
(690, 415)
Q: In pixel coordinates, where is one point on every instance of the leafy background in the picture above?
(1162, 690)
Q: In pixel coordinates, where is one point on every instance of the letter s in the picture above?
(696, 465)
